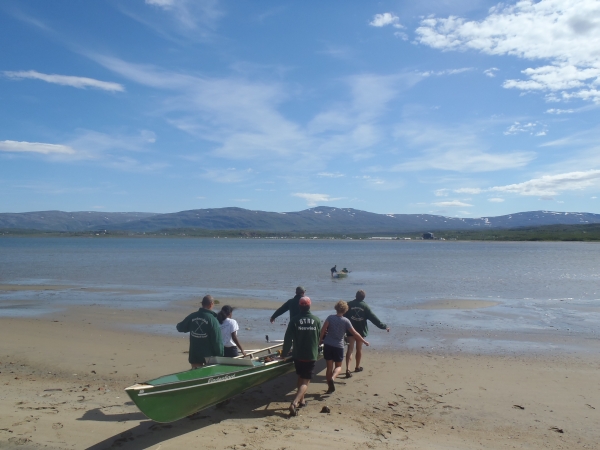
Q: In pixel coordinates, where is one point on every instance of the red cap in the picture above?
(304, 301)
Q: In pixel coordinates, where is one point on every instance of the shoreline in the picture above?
(63, 377)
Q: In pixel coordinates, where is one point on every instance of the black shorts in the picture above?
(304, 369)
(230, 352)
(333, 353)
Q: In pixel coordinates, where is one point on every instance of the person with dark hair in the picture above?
(291, 305)
(333, 270)
(302, 336)
(229, 328)
(358, 313)
(332, 337)
(205, 333)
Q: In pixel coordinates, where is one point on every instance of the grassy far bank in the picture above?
(584, 232)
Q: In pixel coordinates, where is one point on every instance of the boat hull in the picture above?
(176, 396)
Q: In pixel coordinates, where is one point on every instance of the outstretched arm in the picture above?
(282, 310)
(375, 320)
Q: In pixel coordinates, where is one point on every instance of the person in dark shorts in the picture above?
(332, 337)
(205, 333)
(333, 270)
(358, 313)
(291, 305)
(302, 336)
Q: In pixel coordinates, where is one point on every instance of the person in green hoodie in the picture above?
(205, 333)
(291, 305)
(358, 314)
(302, 335)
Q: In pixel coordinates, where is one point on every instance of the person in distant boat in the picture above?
(334, 270)
(205, 333)
(302, 336)
(344, 270)
(332, 337)
(229, 328)
(291, 305)
(358, 313)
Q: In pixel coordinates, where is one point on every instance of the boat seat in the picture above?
(229, 361)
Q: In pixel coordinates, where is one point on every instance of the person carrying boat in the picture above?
(229, 328)
(333, 270)
(302, 336)
(205, 333)
(291, 305)
(358, 313)
(332, 337)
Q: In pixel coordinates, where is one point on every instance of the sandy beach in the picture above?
(63, 375)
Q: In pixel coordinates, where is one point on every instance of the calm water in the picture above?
(548, 293)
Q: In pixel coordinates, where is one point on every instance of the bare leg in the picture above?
(302, 388)
(329, 372)
(351, 341)
(358, 353)
(337, 370)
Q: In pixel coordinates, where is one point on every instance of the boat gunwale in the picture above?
(197, 382)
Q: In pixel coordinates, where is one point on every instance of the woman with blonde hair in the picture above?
(332, 337)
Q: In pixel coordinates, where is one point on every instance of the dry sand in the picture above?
(62, 380)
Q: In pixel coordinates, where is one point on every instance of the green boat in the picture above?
(173, 397)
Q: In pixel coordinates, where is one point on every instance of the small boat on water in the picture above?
(340, 275)
(173, 397)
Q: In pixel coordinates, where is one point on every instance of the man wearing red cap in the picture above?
(302, 335)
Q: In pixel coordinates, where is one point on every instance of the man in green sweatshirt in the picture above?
(358, 313)
(205, 333)
(291, 305)
(303, 333)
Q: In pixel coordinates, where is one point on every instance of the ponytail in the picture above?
(226, 310)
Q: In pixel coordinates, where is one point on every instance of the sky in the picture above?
(462, 108)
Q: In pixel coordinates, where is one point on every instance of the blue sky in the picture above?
(459, 108)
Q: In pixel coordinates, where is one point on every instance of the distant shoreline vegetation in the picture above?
(585, 233)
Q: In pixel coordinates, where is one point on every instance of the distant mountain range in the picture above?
(321, 219)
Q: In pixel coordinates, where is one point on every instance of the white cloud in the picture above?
(452, 203)
(452, 149)
(191, 14)
(385, 19)
(446, 72)
(468, 191)
(331, 174)
(36, 147)
(67, 80)
(491, 72)
(550, 185)
(560, 111)
(315, 199)
(496, 200)
(162, 3)
(442, 192)
(532, 128)
(564, 32)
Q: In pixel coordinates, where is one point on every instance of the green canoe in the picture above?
(173, 397)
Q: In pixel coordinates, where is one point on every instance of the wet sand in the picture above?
(63, 375)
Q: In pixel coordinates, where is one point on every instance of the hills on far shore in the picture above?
(319, 220)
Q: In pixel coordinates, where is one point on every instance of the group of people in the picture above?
(213, 334)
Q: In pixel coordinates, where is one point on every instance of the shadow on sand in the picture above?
(253, 403)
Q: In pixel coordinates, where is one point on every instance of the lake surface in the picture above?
(546, 295)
